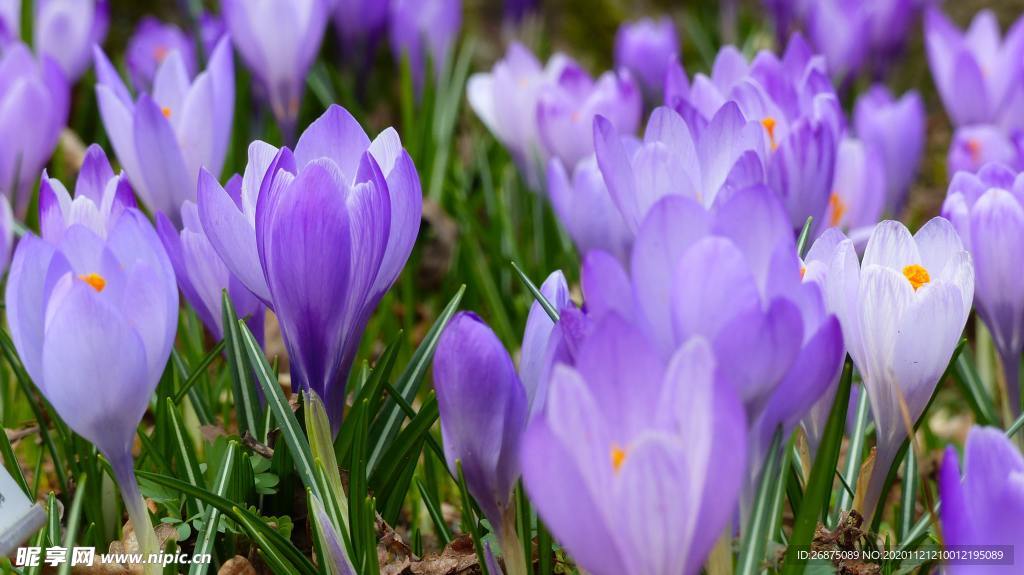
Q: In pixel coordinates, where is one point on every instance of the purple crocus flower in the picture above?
(99, 201)
(858, 190)
(794, 101)
(93, 316)
(505, 100)
(986, 508)
(211, 29)
(150, 45)
(201, 274)
(975, 146)
(338, 216)
(619, 463)
(902, 311)
(731, 276)
(586, 209)
(163, 139)
(566, 109)
(483, 409)
(517, 10)
(66, 30)
(698, 160)
(986, 210)
(646, 48)
(422, 31)
(977, 73)
(360, 22)
(838, 28)
(896, 128)
(33, 110)
(278, 40)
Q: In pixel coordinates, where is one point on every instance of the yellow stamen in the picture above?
(95, 281)
(160, 53)
(803, 271)
(917, 275)
(769, 126)
(166, 112)
(618, 457)
(839, 208)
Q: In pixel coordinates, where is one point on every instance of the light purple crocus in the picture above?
(278, 40)
(33, 110)
(319, 235)
(704, 161)
(201, 274)
(566, 109)
(93, 316)
(150, 45)
(163, 139)
(625, 464)
(483, 410)
(505, 100)
(100, 198)
(838, 29)
(977, 72)
(646, 48)
(984, 510)
(795, 103)
(975, 146)
(731, 276)
(858, 190)
(360, 23)
(986, 209)
(422, 31)
(586, 209)
(902, 311)
(896, 129)
(66, 30)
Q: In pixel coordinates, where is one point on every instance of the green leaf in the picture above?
(205, 539)
(854, 455)
(369, 395)
(974, 390)
(759, 526)
(408, 383)
(536, 293)
(10, 460)
(801, 242)
(28, 389)
(908, 498)
(253, 526)
(405, 450)
(198, 371)
(278, 404)
(246, 402)
(469, 521)
(187, 462)
(434, 510)
(318, 429)
(819, 484)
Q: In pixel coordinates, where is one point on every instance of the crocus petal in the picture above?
(335, 135)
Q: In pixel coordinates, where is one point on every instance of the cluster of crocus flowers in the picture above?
(646, 48)
(986, 508)
(987, 212)
(541, 113)
(902, 311)
(319, 235)
(34, 101)
(163, 139)
(793, 100)
(92, 307)
(278, 40)
(977, 73)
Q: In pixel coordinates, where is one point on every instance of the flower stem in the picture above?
(511, 546)
(124, 473)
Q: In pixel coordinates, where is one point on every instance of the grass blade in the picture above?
(409, 382)
(536, 293)
(74, 519)
(204, 540)
(759, 527)
(819, 484)
(246, 402)
(189, 464)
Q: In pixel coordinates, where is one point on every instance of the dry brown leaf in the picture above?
(237, 565)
